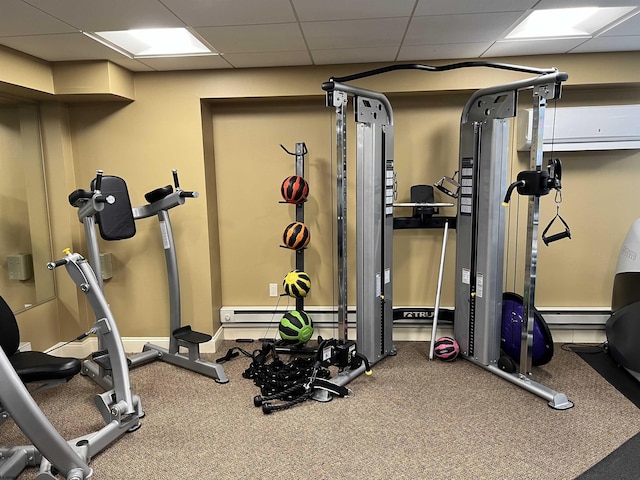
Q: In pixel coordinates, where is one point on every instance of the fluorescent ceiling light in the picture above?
(153, 42)
(567, 22)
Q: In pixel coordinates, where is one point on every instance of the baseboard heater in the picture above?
(556, 318)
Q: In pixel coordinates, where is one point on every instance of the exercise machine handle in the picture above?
(556, 236)
(62, 261)
(56, 263)
(98, 181)
(184, 194)
(181, 193)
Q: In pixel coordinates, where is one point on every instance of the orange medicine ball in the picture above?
(296, 236)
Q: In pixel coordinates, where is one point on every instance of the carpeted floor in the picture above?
(601, 362)
(412, 419)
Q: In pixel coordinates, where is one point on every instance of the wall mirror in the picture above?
(25, 239)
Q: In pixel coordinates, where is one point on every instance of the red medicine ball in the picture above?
(294, 189)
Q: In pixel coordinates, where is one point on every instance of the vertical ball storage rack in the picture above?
(300, 152)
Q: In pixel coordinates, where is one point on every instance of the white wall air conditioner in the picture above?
(574, 129)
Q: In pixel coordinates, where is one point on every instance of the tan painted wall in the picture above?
(570, 273)
(164, 128)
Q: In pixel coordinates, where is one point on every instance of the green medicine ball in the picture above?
(296, 327)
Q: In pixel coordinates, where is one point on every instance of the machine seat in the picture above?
(32, 367)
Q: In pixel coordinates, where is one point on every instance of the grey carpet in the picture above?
(412, 419)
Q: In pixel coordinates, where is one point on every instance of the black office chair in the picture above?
(33, 367)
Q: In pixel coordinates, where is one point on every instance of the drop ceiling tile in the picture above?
(354, 55)
(101, 15)
(269, 59)
(382, 32)
(454, 7)
(609, 44)
(205, 13)
(435, 52)
(314, 10)
(61, 47)
(254, 38)
(631, 26)
(443, 29)
(18, 18)
(200, 62)
(546, 4)
(532, 47)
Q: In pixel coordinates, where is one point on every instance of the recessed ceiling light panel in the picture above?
(153, 42)
(566, 22)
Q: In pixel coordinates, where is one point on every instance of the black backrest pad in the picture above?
(116, 221)
(422, 194)
(9, 333)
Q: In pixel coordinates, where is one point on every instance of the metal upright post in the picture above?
(533, 214)
(374, 218)
(340, 104)
(301, 150)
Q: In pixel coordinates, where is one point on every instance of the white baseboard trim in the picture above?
(84, 348)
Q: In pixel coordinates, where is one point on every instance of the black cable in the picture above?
(268, 408)
(289, 382)
(79, 337)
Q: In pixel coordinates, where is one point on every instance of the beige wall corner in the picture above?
(65, 227)
(23, 75)
(92, 80)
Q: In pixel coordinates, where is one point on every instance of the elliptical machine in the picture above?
(623, 327)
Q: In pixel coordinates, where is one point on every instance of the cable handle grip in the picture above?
(555, 237)
(176, 183)
(566, 233)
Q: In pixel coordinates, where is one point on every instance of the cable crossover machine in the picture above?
(480, 222)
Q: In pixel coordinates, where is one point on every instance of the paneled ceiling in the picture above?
(271, 33)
